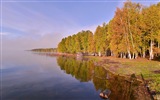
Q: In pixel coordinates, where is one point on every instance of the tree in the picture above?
(125, 28)
(90, 42)
(151, 27)
(134, 30)
(100, 39)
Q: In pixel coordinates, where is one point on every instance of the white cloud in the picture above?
(21, 17)
(26, 43)
(40, 30)
(4, 33)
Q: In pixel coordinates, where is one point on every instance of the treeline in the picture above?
(45, 50)
(81, 42)
(134, 31)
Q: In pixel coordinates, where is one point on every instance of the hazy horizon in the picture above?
(39, 24)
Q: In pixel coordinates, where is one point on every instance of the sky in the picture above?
(28, 24)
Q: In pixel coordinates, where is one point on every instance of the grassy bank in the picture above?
(149, 69)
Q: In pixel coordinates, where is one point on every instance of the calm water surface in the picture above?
(29, 76)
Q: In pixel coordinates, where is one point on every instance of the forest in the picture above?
(45, 50)
(133, 32)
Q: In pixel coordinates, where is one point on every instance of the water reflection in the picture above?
(85, 71)
(28, 76)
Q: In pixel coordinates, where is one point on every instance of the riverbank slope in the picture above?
(125, 67)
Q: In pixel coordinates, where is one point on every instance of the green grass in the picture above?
(138, 67)
(146, 68)
(93, 58)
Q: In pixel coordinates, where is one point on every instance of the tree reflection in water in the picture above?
(85, 71)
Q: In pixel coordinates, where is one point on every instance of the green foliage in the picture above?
(147, 68)
(80, 42)
(100, 39)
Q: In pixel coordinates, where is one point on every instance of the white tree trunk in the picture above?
(144, 53)
(121, 54)
(136, 55)
(129, 54)
(131, 36)
(151, 51)
(111, 53)
(124, 55)
(99, 53)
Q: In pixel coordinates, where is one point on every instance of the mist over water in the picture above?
(30, 76)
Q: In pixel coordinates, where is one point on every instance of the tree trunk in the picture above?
(151, 51)
(111, 53)
(143, 52)
(158, 48)
(99, 53)
(131, 36)
(129, 54)
(121, 54)
(136, 55)
(124, 55)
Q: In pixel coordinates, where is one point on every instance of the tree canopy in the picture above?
(133, 32)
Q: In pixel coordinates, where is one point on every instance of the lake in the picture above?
(35, 76)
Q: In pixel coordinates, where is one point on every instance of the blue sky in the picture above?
(30, 24)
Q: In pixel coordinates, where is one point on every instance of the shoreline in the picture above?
(101, 61)
(113, 64)
(123, 67)
(109, 63)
